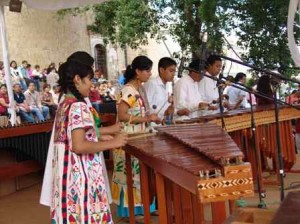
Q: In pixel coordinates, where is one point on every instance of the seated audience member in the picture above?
(52, 78)
(33, 99)
(4, 102)
(95, 97)
(96, 77)
(36, 76)
(16, 75)
(47, 100)
(21, 104)
(55, 91)
(111, 90)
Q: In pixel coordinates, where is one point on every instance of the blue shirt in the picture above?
(19, 98)
(121, 80)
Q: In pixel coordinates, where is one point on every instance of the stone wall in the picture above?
(39, 37)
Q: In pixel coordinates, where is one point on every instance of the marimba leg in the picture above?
(129, 188)
(169, 198)
(177, 204)
(218, 210)
(162, 208)
(186, 201)
(198, 210)
(145, 193)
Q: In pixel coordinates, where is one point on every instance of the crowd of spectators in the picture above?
(36, 92)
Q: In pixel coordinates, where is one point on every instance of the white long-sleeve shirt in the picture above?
(234, 96)
(158, 95)
(208, 89)
(187, 95)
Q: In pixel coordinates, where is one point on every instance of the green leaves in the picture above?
(125, 22)
(260, 25)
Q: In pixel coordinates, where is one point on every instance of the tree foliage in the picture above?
(260, 25)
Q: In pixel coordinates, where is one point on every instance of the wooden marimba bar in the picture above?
(193, 165)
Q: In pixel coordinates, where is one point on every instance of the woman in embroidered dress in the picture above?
(78, 192)
(133, 112)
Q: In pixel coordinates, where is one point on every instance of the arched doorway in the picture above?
(100, 59)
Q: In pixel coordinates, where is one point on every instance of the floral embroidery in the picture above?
(80, 176)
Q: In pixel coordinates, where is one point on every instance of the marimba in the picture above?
(193, 164)
(238, 125)
(29, 143)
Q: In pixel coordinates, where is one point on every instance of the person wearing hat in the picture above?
(187, 99)
(74, 184)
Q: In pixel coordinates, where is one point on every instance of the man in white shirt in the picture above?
(187, 98)
(159, 99)
(237, 97)
(208, 87)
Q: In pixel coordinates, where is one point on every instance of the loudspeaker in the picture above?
(15, 5)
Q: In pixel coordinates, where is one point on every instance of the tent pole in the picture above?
(6, 66)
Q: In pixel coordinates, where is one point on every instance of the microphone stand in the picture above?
(274, 74)
(279, 153)
(275, 100)
(261, 194)
(220, 92)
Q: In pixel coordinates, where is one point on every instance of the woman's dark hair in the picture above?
(239, 76)
(79, 63)
(264, 85)
(13, 62)
(46, 86)
(141, 63)
(3, 85)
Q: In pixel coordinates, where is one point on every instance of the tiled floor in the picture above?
(22, 207)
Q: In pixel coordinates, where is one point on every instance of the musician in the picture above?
(237, 97)
(187, 98)
(156, 89)
(75, 165)
(133, 112)
(264, 86)
(208, 87)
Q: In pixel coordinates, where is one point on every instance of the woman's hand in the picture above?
(106, 138)
(153, 118)
(116, 128)
(120, 140)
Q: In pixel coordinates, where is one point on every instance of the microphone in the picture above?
(220, 76)
(154, 107)
(203, 52)
(181, 67)
(221, 73)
